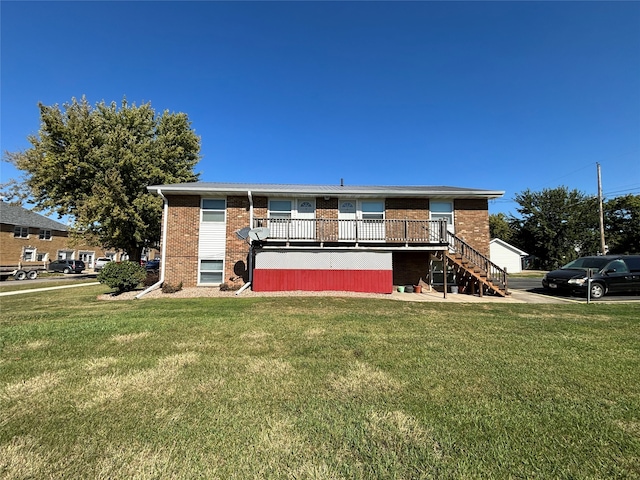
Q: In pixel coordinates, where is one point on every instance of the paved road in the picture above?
(533, 285)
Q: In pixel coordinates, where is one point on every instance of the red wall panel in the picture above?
(369, 281)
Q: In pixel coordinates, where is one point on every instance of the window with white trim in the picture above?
(211, 271)
(29, 254)
(441, 211)
(372, 210)
(20, 232)
(280, 208)
(65, 254)
(306, 206)
(42, 257)
(213, 210)
(44, 234)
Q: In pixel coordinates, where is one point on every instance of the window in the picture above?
(280, 208)
(29, 254)
(372, 210)
(442, 211)
(211, 271)
(213, 210)
(305, 206)
(618, 266)
(44, 235)
(41, 257)
(20, 232)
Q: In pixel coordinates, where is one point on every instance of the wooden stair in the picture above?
(474, 270)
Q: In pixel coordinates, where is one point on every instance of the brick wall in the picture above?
(183, 225)
(12, 248)
(236, 264)
(409, 268)
(260, 207)
(472, 223)
(407, 208)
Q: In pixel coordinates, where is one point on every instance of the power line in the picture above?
(635, 189)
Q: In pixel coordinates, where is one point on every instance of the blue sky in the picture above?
(493, 95)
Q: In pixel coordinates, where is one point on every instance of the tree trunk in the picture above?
(135, 253)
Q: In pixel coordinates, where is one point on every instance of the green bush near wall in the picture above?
(123, 276)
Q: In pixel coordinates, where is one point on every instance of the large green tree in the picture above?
(557, 225)
(93, 163)
(622, 224)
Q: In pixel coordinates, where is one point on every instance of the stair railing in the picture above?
(495, 274)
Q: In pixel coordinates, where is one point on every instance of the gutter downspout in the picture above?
(165, 221)
(250, 241)
(248, 284)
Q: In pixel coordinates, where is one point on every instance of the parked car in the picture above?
(609, 274)
(67, 266)
(152, 265)
(100, 263)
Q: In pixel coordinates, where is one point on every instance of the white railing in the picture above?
(334, 230)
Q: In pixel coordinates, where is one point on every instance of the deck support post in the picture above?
(445, 264)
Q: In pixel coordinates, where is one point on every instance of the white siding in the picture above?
(211, 244)
(505, 257)
(323, 260)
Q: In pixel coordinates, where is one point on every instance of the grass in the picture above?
(316, 388)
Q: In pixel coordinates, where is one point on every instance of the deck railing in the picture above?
(355, 231)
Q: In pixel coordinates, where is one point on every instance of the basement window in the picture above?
(211, 271)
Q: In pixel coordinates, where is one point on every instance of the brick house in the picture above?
(327, 237)
(28, 239)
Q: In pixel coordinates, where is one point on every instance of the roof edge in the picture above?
(208, 188)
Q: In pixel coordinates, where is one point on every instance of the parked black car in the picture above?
(609, 274)
(67, 266)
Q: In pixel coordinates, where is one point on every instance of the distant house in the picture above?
(506, 256)
(30, 239)
(327, 237)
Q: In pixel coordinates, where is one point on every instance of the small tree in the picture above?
(500, 227)
(124, 276)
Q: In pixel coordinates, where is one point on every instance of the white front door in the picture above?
(347, 220)
(303, 226)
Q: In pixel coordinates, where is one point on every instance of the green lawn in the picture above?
(316, 388)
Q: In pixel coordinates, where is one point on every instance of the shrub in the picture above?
(170, 288)
(123, 276)
(225, 287)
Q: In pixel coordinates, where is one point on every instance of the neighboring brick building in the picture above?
(320, 237)
(29, 239)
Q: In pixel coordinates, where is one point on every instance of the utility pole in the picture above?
(603, 246)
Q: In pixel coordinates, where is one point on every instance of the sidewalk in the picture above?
(516, 296)
(44, 289)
